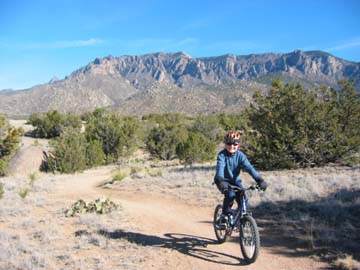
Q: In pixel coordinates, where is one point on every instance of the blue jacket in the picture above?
(228, 167)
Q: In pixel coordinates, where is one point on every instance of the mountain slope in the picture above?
(164, 82)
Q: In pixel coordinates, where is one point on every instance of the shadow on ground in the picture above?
(326, 226)
(186, 244)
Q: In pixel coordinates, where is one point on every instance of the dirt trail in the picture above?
(186, 231)
(183, 232)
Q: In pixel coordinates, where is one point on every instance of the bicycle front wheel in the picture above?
(249, 239)
(220, 232)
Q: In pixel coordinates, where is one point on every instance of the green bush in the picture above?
(3, 166)
(293, 128)
(94, 154)
(233, 121)
(196, 148)
(52, 124)
(119, 136)
(4, 125)
(166, 118)
(69, 152)
(209, 126)
(163, 140)
(9, 143)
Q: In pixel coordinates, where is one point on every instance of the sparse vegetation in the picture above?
(99, 206)
(154, 172)
(1, 190)
(134, 170)
(9, 143)
(32, 176)
(119, 175)
(286, 128)
(289, 128)
(23, 192)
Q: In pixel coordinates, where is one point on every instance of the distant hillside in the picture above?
(164, 82)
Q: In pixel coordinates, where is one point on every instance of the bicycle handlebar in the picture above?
(253, 187)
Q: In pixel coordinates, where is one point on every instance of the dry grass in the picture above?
(347, 263)
(304, 203)
(319, 207)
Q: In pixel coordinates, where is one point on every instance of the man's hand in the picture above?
(222, 186)
(262, 184)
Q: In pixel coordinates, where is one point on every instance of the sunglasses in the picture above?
(235, 144)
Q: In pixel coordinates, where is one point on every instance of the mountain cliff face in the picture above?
(163, 82)
(184, 71)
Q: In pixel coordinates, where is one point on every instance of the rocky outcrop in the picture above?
(118, 81)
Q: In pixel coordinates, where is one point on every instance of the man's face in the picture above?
(232, 147)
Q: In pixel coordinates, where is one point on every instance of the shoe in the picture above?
(223, 222)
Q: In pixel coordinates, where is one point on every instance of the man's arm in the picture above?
(251, 170)
(220, 168)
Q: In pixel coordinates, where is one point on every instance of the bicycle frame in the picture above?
(243, 223)
(241, 211)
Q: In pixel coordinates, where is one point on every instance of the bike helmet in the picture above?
(232, 137)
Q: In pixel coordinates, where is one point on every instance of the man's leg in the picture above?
(228, 201)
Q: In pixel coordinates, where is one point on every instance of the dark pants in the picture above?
(229, 195)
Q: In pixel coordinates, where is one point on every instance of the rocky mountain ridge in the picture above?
(162, 82)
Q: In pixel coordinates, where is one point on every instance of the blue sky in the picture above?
(43, 39)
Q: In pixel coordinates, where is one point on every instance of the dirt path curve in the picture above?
(182, 229)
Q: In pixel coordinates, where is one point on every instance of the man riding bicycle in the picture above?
(229, 163)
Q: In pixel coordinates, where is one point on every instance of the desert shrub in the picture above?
(32, 178)
(233, 121)
(196, 148)
(3, 166)
(97, 113)
(52, 123)
(23, 192)
(294, 128)
(119, 136)
(119, 175)
(69, 152)
(209, 126)
(154, 172)
(341, 132)
(4, 125)
(99, 206)
(165, 118)
(94, 154)
(164, 139)
(1, 190)
(10, 138)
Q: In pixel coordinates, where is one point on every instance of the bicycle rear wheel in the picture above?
(249, 239)
(220, 232)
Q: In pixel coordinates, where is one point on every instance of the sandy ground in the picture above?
(163, 222)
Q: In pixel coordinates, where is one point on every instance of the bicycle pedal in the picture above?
(220, 227)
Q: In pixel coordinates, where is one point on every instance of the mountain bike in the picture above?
(242, 222)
